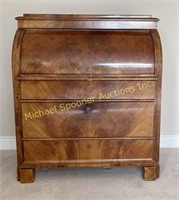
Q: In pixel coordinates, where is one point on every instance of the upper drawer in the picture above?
(78, 52)
(101, 90)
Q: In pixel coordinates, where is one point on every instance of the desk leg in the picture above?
(26, 175)
(150, 173)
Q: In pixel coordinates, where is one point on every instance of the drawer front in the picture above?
(84, 89)
(73, 52)
(112, 119)
(75, 150)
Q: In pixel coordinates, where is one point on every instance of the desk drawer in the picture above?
(98, 119)
(84, 89)
(84, 149)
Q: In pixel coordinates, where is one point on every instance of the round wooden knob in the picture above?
(88, 109)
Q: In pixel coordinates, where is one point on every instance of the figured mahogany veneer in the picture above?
(87, 89)
(86, 149)
(105, 52)
(112, 121)
(110, 65)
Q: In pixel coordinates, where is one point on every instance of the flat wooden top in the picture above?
(84, 16)
(77, 21)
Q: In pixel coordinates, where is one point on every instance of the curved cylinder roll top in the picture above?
(57, 49)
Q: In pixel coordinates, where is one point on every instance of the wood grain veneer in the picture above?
(136, 121)
(63, 59)
(88, 89)
(69, 47)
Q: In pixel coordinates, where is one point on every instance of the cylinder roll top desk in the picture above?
(87, 92)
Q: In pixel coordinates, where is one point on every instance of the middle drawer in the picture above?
(98, 119)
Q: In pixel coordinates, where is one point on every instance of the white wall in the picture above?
(166, 11)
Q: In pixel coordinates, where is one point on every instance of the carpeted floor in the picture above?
(125, 183)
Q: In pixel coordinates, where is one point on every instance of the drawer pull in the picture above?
(88, 109)
(88, 69)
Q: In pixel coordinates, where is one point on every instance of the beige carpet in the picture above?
(123, 183)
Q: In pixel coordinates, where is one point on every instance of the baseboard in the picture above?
(166, 141)
(169, 141)
(7, 142)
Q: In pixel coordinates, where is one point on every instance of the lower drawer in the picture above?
(87, 149)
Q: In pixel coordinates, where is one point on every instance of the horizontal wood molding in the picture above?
(167, 141)
(92, 163)
(91, 21)
(39, 77)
